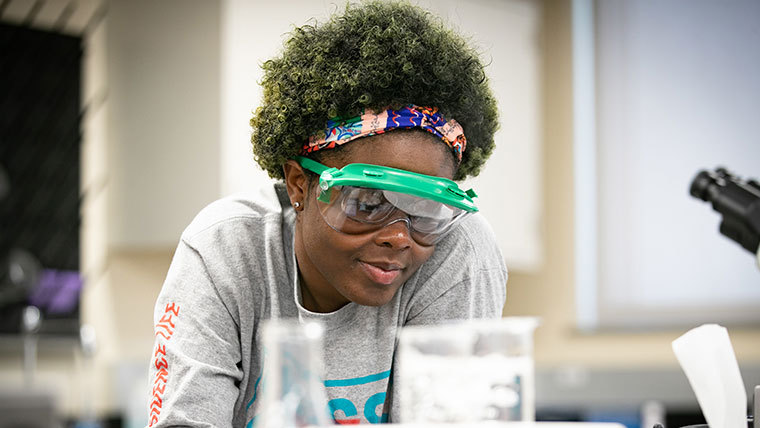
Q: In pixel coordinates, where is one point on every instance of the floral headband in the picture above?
(341, 130)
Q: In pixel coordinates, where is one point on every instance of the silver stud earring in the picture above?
(296, 205)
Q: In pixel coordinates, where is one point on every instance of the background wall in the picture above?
(672, 99)
(164, 120)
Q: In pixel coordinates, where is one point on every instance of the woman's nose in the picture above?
(396, 234)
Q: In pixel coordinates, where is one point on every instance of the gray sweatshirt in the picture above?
(235, 267)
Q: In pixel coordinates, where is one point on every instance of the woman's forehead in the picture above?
(413, 150)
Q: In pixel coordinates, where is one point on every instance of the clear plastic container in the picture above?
(293, 391)
(468, 372)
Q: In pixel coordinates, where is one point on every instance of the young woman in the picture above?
(366, 120)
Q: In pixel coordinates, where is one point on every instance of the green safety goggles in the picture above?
(361, 198)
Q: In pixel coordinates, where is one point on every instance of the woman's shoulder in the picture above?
(237, 213)
(242, 236)
(464, 278)
(472, 238)
(469, 251)
(465, 253)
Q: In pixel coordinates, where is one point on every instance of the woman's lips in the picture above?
(381, 273)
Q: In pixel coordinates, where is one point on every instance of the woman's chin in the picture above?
(377, 296)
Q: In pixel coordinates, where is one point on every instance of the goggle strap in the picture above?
(319, 169)
(312, 165)
(324, 195)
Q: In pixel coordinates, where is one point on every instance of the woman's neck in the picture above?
(317, 295)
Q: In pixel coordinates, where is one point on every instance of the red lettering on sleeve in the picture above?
(156, 404)
(158, 390)
(164, 331)
(167, 318)
(160, 349)
(171, 307)
(167, 328)
(161, 376)
(160, 363)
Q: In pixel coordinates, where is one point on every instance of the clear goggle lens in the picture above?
(356, 210)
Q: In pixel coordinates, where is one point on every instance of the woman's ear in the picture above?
(296, 182)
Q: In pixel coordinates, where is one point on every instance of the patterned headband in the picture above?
(341, 131)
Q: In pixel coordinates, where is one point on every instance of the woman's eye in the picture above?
(427, 224)
(368, 206)
(372, 207)
(370, 200)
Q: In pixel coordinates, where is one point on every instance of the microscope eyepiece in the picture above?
(737, 200)
(700, 184)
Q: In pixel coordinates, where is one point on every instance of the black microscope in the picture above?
(737, 200)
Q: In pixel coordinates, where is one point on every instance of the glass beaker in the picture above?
(468, 372)
(293, 390)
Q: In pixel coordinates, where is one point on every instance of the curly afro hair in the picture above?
(376, 55)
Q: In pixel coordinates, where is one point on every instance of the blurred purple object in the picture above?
(58, 291)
